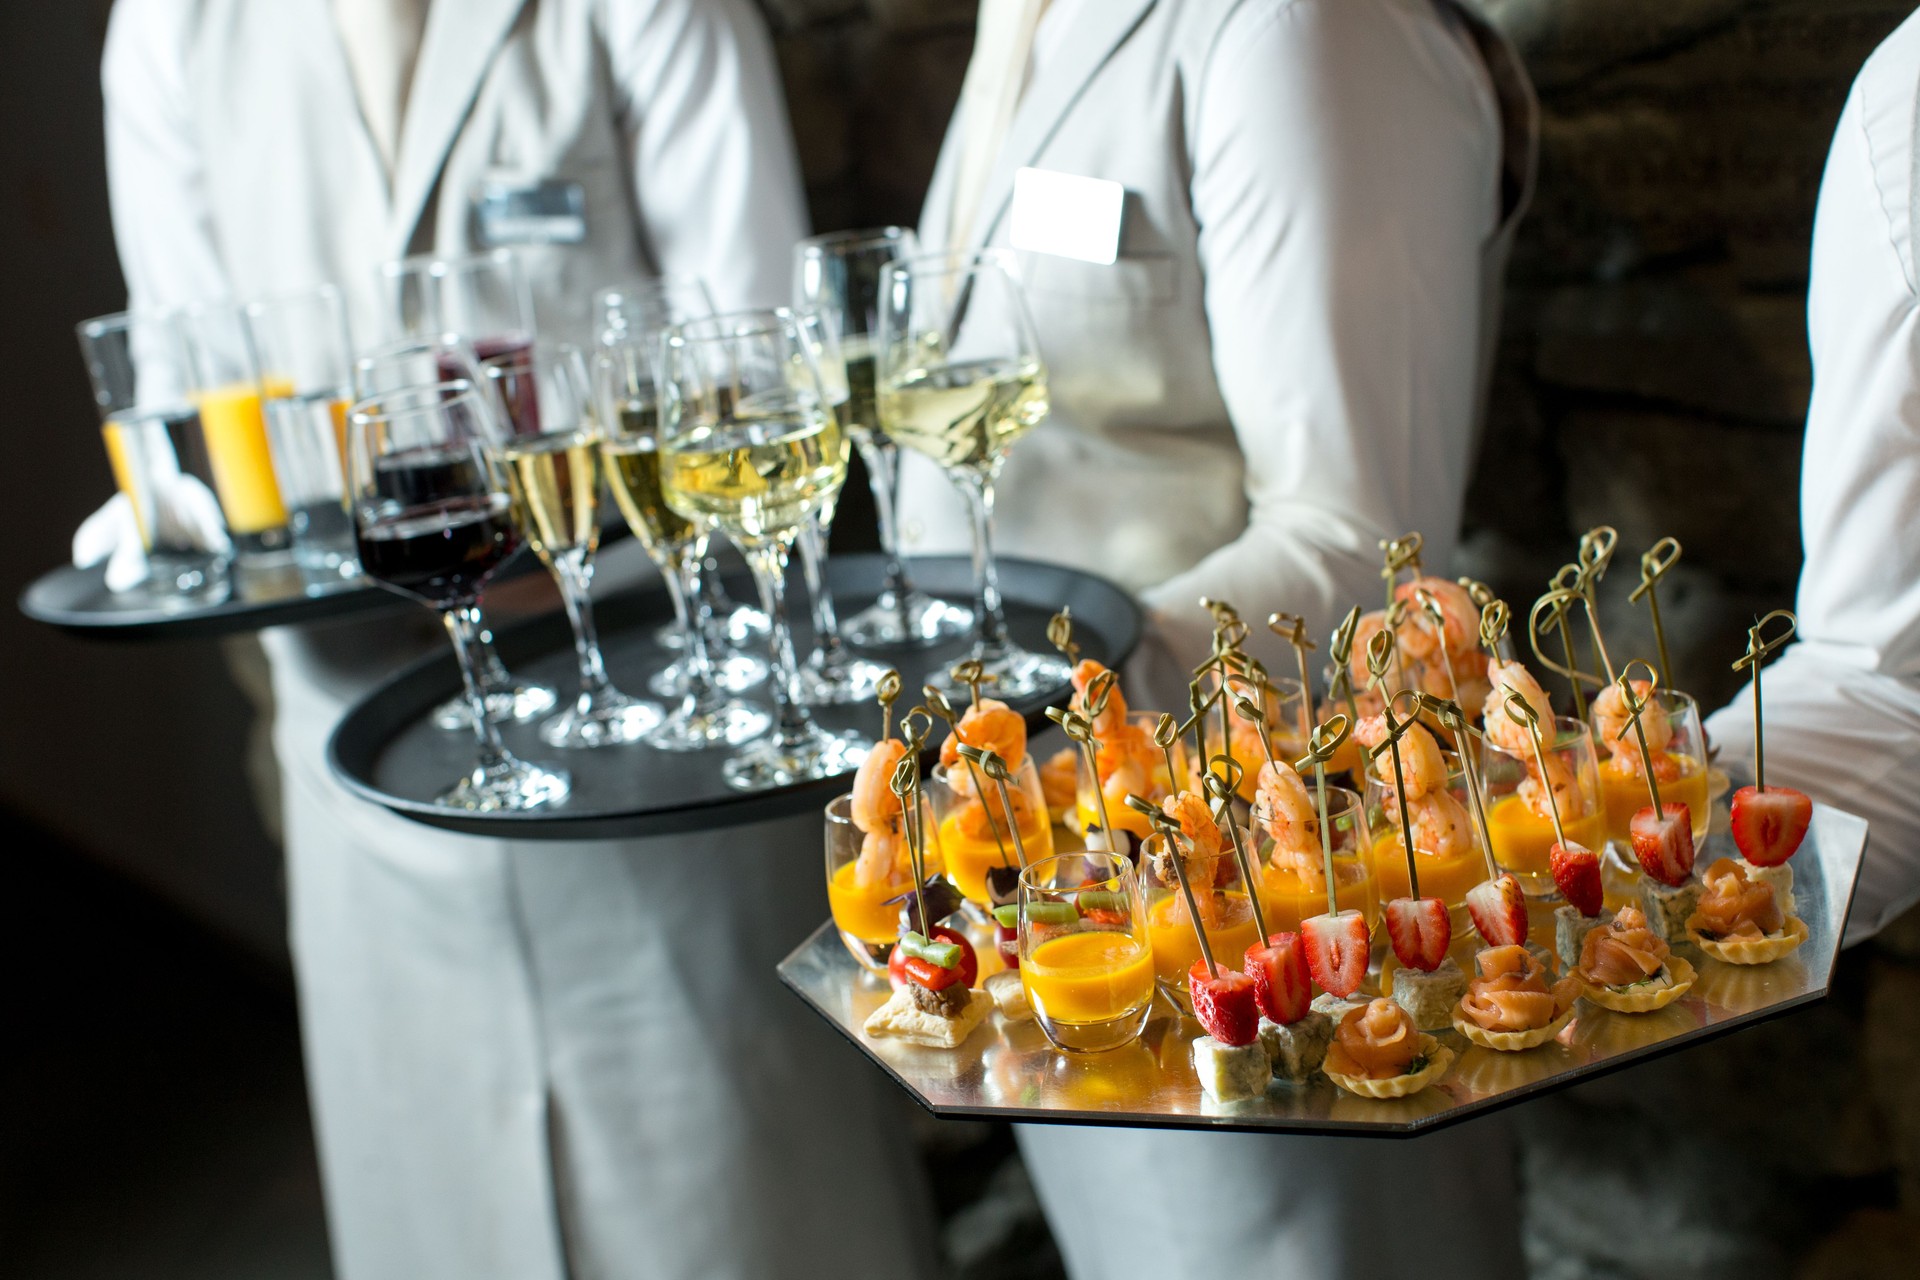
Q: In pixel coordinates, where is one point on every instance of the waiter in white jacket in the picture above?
(527, 1060)
(1273, 366)
(1843, 704)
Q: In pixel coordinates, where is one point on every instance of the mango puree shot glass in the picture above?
(1293, 877)
(1085, 958)
(1147, 775)
(1448, 854)
(1680, 766)
(865, 899)
(1175, 948)
(1518, 820)
(975, 834)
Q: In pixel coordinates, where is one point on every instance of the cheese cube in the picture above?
(1667, 908)
(1231, 1073)
(1296, 1049)
(1570, 930)
(1009, 994)
(1429, 997)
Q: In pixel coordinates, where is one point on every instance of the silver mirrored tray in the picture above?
(1007, 1071)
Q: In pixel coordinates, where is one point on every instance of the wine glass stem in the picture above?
(492, 674)
(684, 585)
(990, 619)
(882, 457)
(463, 625)
(768, 560)
(574, 574)
(826, 625)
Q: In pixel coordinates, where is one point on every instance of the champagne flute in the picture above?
(415, 362)
(637, 315)
(552, 455)
(838, 276)
(753, 450)
(630, 453)
(433, 520)
(960, 380)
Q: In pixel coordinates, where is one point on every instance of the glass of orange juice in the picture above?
(1085, 958)
(1293, 877)
(1518, 820)
(1227, 914)
(227, 395)
(975, 832)
(867, 878)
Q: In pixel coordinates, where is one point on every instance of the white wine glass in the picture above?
(433, 520)
(417, 362)
(630, 452)
(552, 456)
(960, 380)
(838, 277)
(752, 449)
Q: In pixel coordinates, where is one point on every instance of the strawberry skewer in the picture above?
(1337, 942)
(1768, 823)
(1497, 904)
(1662, 833)
(1419, 927)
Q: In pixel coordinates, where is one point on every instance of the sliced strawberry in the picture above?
(1420, 930)
(1499, 910)
(1769, 825)
(1282, 980)
(1224, 1003)
(1576, 869)
(1337, 948)
(1664, 843)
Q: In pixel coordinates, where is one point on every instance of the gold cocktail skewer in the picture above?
(1659, 558)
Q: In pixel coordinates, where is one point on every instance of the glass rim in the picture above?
(119, 321)
(764, 321)
(530, 355)
(952, 262)
(261, 305)
(856, 238)
(842, 802)
(442, 393)
(438, 264)
(1121, 868)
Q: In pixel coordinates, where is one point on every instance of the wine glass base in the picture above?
(919, 619)
(845, 679)
(1016, 674)
(607, 721)
(516, 705)
(779, 761)
(511, 786)
(745, 627)
(667, 636)
(698, 726)
(735, 673)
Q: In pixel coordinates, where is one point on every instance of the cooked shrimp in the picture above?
(990, 726)
(1369, 625)
(1422, 767)
(884, 859)
(1460, 633)
(978, 821)
(1286, 811)
(1441, 825)
(1114, 716)
(1611, 718)
(1502, 731)
(1198, 831)
(1060, 780)
(875, 807)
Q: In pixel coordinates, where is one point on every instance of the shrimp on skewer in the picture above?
(875, 805)
(883, 860)
(1460, 634)
(1198, 846)
(1502, 730)
(1611, 717)
(990, 725)
(1113, 716)
(1422, 766)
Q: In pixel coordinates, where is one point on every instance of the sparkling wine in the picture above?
(756, 476)
(633, 473)
(859, 415)
(964, 415)
(556, 487)
(442, 552)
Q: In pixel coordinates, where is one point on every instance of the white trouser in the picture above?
(1130, 1204)
(532, 1059)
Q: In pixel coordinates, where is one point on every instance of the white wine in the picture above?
(859, 415)
(964, 415)
(556, 486)
(633, 473)
(757, 477)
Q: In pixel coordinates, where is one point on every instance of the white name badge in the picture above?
(543, 211)
(1067, 215)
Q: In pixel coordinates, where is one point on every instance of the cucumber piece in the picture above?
(944, 954)
(1051, 913)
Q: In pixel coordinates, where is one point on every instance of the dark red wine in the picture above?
(443, 552)
(511, 358)
(418, 477)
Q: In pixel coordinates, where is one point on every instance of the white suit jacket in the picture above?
(1284, 366)
(1843, 704)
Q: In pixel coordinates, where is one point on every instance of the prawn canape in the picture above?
(933, 1003)
(1628, 968)
(980, 828)
(1230, 1059)
(1294, 1034)
(1674, 742)
(1739, 920)
(1377, 1052)
(1510, 1006)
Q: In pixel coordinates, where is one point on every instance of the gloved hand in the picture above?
(186, 517)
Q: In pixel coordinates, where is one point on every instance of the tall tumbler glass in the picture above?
(552, 454)
(753, 450)
(433, 519)
(228, 396)
(415, 362)
(838, 276)
(630, 454)
(960, 380)
(302, 358)
(141, 374)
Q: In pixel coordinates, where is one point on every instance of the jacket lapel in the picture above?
(455, 52)
(1098, 30)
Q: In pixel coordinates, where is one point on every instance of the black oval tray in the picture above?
(385, 750)
(77, 600)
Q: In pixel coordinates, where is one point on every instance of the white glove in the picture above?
(187, 515)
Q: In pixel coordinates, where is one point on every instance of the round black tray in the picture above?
(386, 750)
(77, 600)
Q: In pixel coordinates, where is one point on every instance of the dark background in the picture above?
(1653, 375)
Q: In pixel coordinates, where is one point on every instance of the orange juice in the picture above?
(1091, 976)
(236, 435)
(968, 860)
(864, 910)
(121, 456)
(1288, 897)
(1624, 792)
(1447, 877)
(1523, 839)
(1174, 946)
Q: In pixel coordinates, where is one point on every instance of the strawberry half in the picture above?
(1420, 930)
(1664, 843)
(1576, 869)
(1224, 1003)
(1337, 947)
(1499, 910)
(1769, 825)
(1282, 980)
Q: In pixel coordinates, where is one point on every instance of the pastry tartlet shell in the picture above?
(1680, 977)
(1439, 1058)
(1510, 1041)
(1763, 950)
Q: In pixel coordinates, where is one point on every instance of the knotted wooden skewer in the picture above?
(1396, 729)
(1635, 705)
(937, 704)
(1401, 553)
(1223, 790)
(1248, 711)
(1449, 714)
(1596, 553)
(1340, 649)
(1659, 558)
(905, 783)
(1292, 628)
(1758, 650)
(1437, 616)
(1080, 729)
(990, 763)
(1169, 831)
(971, 673)
(887, 691)
(1560, 597)
(1060, 635)
(1521, 712)
(1322, 747)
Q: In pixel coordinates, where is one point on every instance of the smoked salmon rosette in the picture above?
(1510, 1006)
(1626, 967)
(1377, 1052)
(1739, 921)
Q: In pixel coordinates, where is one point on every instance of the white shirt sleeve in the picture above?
(1346, 184)
(715, 177)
